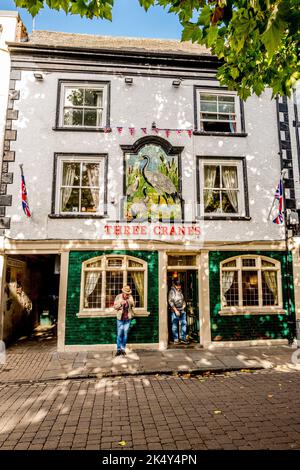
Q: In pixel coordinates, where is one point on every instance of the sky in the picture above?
(129, 19)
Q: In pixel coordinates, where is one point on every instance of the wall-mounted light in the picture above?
(39, 76)
(128, 80)
(153, 125)
(176, 83)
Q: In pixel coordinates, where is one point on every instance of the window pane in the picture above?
(211, 176)
(229, 177)
(209, 117)
(229, 264)
(250, 288)
(89, 200)
(230, 288)
(269, 288)
(226, 108)
(90, 174)
(71, 174)
(70, 200)
(74, 97)
(212, 201)
(134, 264)
(230, 201)
(209, 106)
(205, 97)
(73, 117)
(93, 98)
(249, 262)
(114, 262)
(136, 281)
(94, 264)
(225, 117)
(218, 126)
(227, 98)
(267, 263)
(114, 284)
(92, 289)
(90, 117)
(182, 260)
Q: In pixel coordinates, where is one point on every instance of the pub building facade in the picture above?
(140, 169)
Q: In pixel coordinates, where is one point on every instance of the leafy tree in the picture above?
(258, 41)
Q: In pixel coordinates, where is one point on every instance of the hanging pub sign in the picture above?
(152, 231)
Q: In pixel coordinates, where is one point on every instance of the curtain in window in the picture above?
(69, 180)
(210, 173)
(227, 281)
(91, 280)
(93, 176)
(229, 176)
(138, 279)
(271, 280)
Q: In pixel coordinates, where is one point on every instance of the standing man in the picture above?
(178, 304)
(123, 305)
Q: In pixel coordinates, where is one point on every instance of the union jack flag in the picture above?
(24, 195)
(279, 196)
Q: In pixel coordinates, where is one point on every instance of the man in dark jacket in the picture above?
(178, 314)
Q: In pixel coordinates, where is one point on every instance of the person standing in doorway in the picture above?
(178, 313)
(124, 308)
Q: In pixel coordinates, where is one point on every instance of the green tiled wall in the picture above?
(103, 330)
(247, 327)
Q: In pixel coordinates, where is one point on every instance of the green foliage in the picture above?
(257, 41)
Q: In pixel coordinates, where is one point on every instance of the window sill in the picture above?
(82, 129)
(252, 311)
(108, 314)
(223, 134)
(77, 216)
(224, 217)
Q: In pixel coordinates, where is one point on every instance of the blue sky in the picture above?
(129, 19)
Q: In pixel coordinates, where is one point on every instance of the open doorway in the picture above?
(30, 308)
(189, 285)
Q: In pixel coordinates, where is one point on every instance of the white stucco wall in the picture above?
(8, 24)
(147, 100)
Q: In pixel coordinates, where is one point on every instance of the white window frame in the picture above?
(100, 159)
(237, 109)
(90, 86)
(109, 312)
(259, 268)
(241, 187)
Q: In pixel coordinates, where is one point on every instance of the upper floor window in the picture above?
(250, 282)
(80, 185)
(223, 187)
(218, 112)
(103, 278)
(83, 105)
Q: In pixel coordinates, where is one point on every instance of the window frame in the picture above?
(243, 199)
(239, 268)
(59, 159)
(109, 311)
(63, 84)
(219, 91)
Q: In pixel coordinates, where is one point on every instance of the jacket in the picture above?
(118, 306)
(176, 299)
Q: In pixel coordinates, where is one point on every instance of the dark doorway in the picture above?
(31, 297)
(189, 285)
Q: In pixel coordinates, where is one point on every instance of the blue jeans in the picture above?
(175, 323)
(122, 333)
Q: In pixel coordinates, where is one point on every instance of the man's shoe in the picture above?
(118, 353)
(176, 341)
(123, 353)
(184, 341)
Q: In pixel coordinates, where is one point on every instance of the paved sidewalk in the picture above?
(33, 361)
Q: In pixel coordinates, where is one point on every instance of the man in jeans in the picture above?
(177, 305)
(123, 306)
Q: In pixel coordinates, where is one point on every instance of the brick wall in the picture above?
(103, 330)
(248, 327)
